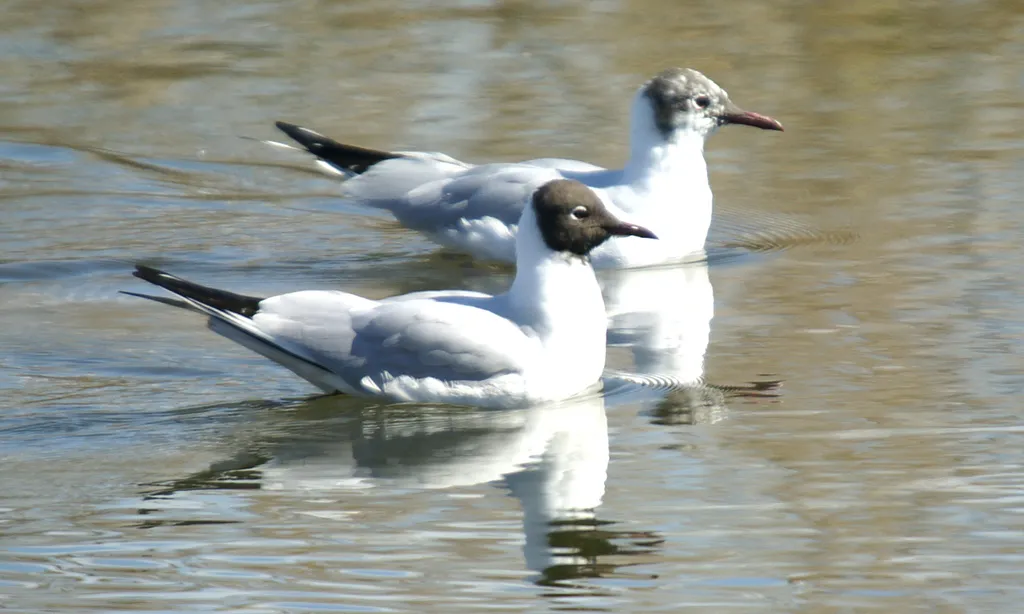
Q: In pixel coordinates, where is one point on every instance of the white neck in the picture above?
(555, 298)
(655, 158)
(552, 290)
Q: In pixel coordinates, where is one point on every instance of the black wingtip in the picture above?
(346, 158)
(298, 133)
(218, 299)
(150, 274)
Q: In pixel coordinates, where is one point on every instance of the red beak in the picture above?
(736, 115)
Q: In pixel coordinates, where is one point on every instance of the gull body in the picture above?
(542, 340)
(476, 208)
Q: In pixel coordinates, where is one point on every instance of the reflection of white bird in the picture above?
(541, 340)
(663, 315)
(475, 209)
(553, 458)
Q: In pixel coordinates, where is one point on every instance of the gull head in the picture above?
(682, 102)
(572, 219)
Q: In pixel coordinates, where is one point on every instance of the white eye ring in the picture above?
(580, 212)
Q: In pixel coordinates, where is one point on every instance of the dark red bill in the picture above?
(630, 230)
(736, 115)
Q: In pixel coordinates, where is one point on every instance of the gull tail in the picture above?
(335, 157)
(230, 315)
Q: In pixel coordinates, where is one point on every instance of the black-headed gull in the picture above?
(475, 208)
(542, 340)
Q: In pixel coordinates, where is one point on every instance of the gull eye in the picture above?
(703, 101)
(580, 212)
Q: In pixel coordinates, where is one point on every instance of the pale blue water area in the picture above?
(854, 443)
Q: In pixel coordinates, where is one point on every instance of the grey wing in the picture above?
(415, 338)
(430, 196)
(463, 297)
(565, 165)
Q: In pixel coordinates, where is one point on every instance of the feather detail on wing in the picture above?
(340, 341)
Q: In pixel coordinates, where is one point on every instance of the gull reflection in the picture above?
(663, 316)
(553, 459)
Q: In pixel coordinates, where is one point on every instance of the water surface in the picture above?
(868, 259)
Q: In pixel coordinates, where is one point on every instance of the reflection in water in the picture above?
(553, 459)
(663, 316)
(889, 481)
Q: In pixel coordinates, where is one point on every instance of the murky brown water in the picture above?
(148, 465)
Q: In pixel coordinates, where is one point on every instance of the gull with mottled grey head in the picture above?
(476, 208)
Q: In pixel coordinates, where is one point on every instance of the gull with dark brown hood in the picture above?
(542, 340)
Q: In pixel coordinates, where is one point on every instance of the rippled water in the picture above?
(858, 446)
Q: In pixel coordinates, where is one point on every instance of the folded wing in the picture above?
(343, 342)
(429, 196)
(370, 345)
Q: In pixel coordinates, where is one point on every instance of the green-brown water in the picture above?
(148, 465)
